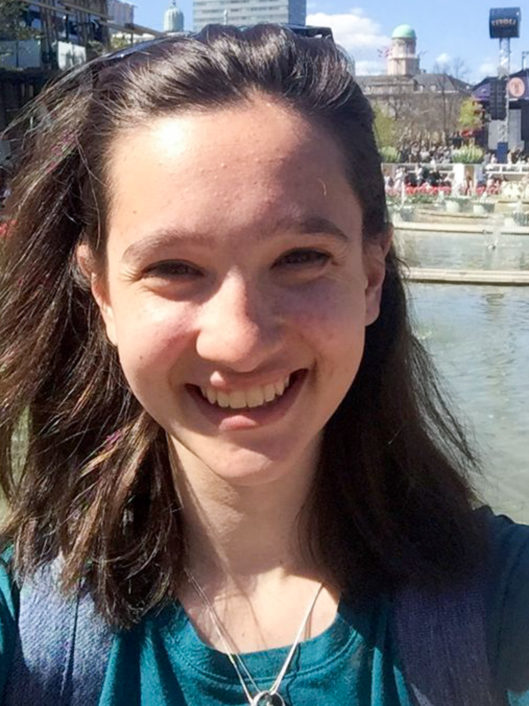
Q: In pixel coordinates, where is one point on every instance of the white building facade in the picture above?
(248, 12)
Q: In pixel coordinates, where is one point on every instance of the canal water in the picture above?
(479, 339)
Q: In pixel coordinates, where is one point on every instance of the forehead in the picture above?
(239, 164)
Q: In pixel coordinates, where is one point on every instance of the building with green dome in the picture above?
(402, 58)
(404, 32)
(420, 102)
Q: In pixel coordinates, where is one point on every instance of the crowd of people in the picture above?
(513, 157)
(426, 152)
(429, 179)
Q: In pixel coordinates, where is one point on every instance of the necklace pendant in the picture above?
(265, 698)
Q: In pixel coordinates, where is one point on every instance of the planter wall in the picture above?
(407, 213)
(482, 209)
(452, 206)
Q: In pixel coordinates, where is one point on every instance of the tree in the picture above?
(385, 128)
(451, 93)
(456, 68)
(470, 115)
(459, 69)
(12, 25)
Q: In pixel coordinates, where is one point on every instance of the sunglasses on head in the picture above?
(300, 30)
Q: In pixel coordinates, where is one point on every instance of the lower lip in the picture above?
(228, 419)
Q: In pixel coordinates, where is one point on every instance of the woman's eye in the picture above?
(304, 257)
(172, 268)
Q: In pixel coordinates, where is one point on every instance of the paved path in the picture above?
(498, 277)
(457, 227)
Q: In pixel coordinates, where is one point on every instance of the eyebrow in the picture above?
(312, 225)
(168, 237)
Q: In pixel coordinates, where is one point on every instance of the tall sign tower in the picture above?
(504, 24)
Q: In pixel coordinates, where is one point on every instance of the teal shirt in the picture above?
(163, 662)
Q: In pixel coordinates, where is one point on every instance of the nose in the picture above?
(238, 327)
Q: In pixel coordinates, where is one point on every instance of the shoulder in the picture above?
(9, 605)
(508, 555)
(507, 601)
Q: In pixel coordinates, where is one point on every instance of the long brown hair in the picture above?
(92, 478)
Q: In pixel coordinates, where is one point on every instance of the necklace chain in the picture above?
(261, 697)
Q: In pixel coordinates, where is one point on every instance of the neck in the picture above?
(238, 533)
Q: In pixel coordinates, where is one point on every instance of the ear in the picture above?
(374, 260)
(98, 287)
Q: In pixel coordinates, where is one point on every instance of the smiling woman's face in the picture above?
(237, 287)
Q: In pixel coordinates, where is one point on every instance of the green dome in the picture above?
(404, 32)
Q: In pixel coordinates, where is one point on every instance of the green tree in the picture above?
(12, 25)
(385, 129)
(470, 115)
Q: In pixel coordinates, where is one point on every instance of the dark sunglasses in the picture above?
(300, 30)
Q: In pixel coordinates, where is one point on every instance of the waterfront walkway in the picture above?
(458, 227)
(495, 277)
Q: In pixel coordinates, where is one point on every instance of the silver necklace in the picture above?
(267, 697)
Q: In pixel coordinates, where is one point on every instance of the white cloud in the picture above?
(443, 59)
(365, 67)
(488, 68)
(361, 36)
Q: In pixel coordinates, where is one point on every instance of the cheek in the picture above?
(333, 312)
(333, 324)
(152, 338)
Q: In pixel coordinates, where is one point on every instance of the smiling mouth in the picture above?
(251, 398)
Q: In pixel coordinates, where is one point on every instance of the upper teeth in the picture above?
(253, 397)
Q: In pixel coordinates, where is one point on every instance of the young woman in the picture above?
(217, 427)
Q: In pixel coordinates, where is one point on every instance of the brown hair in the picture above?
(93, 481)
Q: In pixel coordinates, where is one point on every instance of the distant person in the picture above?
(232, 478)
(468, 185)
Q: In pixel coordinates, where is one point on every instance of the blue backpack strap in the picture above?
(442, 646)
(62, 648)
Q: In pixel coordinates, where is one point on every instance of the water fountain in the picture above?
(480, 225)
(463, 214)
(461, 268)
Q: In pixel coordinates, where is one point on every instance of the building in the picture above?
(421, 103)
(173, 20)
(517, 87)
(123, 30)
(54, 35)
(121, 13)
(248, 12)
(402, 59)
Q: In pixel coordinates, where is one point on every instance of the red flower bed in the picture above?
(423, 190)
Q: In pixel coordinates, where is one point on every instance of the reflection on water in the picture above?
(477, 251)
(479, 337)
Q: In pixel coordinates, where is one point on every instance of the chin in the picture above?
(245, 466)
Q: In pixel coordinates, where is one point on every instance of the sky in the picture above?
(447, 30)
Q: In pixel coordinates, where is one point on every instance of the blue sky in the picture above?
(446, 30)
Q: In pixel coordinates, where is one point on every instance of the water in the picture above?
(479, 338)
(478, 251)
